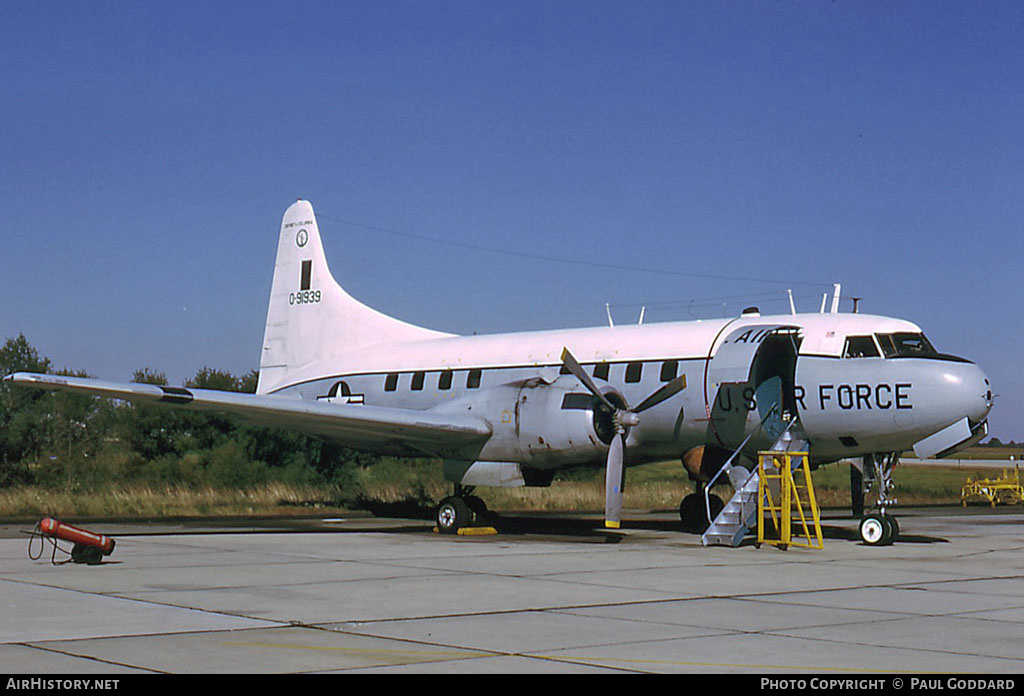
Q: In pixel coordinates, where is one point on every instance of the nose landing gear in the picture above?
(879, 528)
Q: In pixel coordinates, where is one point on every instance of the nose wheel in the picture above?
(879, 528)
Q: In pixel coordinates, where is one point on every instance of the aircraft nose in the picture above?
(956, 411)
(975, 393)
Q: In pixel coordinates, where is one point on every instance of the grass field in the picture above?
(410, 488)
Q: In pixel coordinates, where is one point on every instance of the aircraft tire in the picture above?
(716, 507)
(478, 508)
(895, 527)
(689, 512)
(452, 515)
(693, 515)
(876, 530)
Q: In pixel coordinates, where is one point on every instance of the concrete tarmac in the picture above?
(547, 594)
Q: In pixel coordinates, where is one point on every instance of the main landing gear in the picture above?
(460, 510)
(693, 510)
(879, 528)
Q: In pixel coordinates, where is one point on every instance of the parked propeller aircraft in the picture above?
(512, 409)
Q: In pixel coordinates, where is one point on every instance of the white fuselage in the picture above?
(850, 406)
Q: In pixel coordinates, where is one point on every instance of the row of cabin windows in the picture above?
(634, 372)
(894, 345)
(444, 380)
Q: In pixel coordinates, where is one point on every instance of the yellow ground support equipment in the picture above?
(787, 476)
(1006, 489)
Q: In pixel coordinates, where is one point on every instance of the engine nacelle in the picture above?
(542, 425)
(561, 424)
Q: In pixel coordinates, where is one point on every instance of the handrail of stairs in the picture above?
(728, 462)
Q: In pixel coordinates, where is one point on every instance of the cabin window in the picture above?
(417, 381)
(601, 370)
(391, 382)
(906, 345)
(634, 371)
(669, 370)
(444, 382)
(473, 379)
(860, 347)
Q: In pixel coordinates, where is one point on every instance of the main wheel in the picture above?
(693, 514)
(452, 515)
(478, 507)
(876, 530)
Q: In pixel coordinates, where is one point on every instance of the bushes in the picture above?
(23, 414)
(69, 442)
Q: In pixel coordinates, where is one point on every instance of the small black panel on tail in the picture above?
(307, 274)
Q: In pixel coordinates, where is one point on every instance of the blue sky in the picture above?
(148, 150)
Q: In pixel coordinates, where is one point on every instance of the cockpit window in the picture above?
(906, 345)
(860, 347)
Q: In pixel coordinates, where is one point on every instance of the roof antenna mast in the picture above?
(835, 298)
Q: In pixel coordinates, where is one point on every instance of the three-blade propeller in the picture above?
(623, 419)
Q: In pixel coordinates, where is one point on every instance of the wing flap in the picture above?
(354, 424)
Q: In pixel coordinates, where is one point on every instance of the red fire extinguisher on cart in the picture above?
(88, 547)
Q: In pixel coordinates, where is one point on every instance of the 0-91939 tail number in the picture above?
(304, 297)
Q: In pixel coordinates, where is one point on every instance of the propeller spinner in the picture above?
(623, 418)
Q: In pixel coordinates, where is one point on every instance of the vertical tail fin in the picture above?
(310, 317)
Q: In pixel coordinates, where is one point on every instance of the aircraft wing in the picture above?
(383, 429)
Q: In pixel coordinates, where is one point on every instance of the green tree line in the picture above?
(83, 443)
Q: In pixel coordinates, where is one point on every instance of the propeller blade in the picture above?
(613, 483)
(668, 390)
(576, 369)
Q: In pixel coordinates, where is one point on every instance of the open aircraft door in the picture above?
(751, 375)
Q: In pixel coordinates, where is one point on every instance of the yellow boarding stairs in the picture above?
(785, 492)
(1001, 490)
